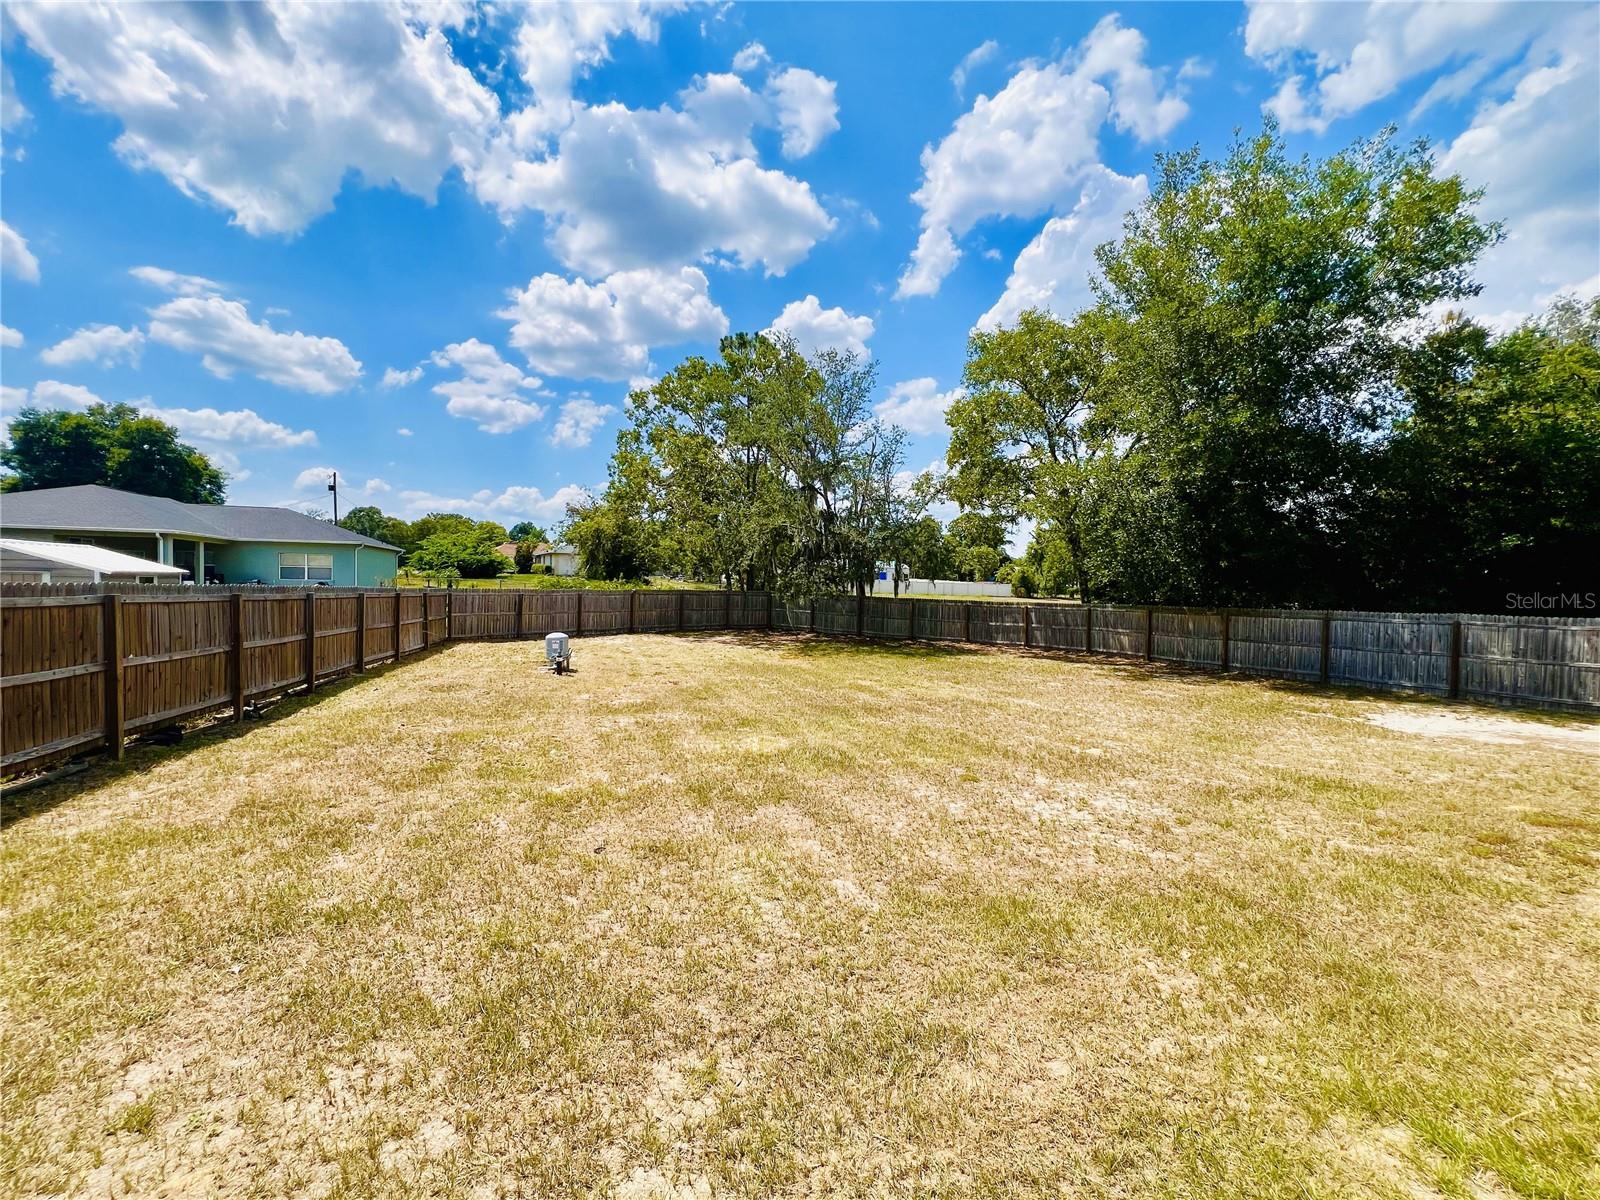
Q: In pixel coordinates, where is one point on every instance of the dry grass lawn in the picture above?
(747, 917)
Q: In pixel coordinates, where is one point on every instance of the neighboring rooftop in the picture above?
(92, 508)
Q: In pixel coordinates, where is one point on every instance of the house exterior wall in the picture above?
(560, 563)
(241, 562)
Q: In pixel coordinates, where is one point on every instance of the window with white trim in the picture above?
(299, 568)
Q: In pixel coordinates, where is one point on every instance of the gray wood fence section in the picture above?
(85, 666)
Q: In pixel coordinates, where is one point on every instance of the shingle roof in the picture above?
(95, 509)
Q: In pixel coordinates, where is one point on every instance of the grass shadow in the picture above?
(207, 729)
(829, 645)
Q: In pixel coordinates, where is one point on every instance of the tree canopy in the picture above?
(527, 531)
(110, 444)
(1267, 404)
(761, 468)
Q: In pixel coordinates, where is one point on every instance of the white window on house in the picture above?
(296, 568)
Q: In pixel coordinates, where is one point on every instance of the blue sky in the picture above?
(432, 246)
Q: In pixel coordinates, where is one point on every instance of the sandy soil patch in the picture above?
(1492, 730)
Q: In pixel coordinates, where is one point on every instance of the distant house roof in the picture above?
(24, 553)
(509, 549)
(547, 548)
(91, 508)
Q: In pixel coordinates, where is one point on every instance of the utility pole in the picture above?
(333, 486)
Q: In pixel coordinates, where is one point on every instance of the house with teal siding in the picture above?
(214, 543)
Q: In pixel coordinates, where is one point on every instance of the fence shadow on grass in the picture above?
(32, 799)
(1194, 676)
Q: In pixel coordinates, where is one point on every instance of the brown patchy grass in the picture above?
(718, 916)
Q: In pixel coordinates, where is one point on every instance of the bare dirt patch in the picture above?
(1491, 730)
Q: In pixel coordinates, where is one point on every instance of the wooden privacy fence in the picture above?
(86, 666)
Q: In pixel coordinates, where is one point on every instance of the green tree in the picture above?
(467, 547)
(1206, 432)
(1265, 311)
(527, 531)
(110, 444)
(761, 468)
(432, 523)
(524, 556)
(927, 555)
(612, 542)
(366, 519)
(370, 521)
(1491, 482)
(1035, 430)
(694, 462)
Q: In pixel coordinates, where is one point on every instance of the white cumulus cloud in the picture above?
(264, 108)
(52, 393)
(751, 58)
(973, 59)
(808, 110)
(176, 281)
(221, 332)
(242, 427)
(605, 330)
(1336, 59)
(1053, 270)
(16, 260)
(10, 338)
(1532, 141)
(580, 417)
(313, 479)
(394, 378)
(514, 502)
(917, 405)
(267, 110)
(489, 389)
(102, 345)
(627, 188)
(1029, 149)
(816, 328)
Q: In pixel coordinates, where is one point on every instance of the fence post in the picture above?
(966, 621)
(579, 630)
(311, 639)
(1455, 660)
(1327, 645)
(680, 611)
(520, 596)
(769, 608)
(911, 622)
(361, 632)
(633, 610)
(397, 594)
(727, 608)
(112, 645)
(449, 613)
(1088, 628)
(236, 656)
(811, 615)
(861, 614)
(1149, 631)
(427, 616)
(1227, 630)
(1025, 623)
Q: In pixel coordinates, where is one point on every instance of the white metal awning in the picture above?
(70, 560)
